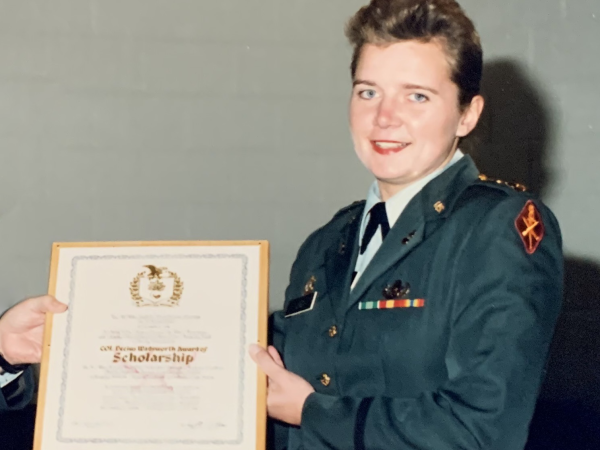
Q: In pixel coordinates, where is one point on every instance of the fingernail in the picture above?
(253, 349)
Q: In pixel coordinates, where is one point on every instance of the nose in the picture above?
(388, 114)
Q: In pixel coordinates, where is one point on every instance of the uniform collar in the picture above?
(439, 196)
(396, 204)
(421, 217)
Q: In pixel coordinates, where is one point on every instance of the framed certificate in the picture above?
(153, 350)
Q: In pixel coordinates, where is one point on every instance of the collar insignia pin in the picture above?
(309, 287)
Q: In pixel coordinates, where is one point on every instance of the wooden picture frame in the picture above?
(79, 345)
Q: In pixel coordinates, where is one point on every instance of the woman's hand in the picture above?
(287, 392)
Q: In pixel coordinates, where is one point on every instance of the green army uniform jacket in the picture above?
(442, 342)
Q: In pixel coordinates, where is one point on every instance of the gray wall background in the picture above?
(226, 119)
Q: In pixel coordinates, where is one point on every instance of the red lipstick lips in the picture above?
(388, 147)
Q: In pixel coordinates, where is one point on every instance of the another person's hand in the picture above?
(22, 329)
(287, 391)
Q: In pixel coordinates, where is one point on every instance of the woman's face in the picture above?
(404, 112)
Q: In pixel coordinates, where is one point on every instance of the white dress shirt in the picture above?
(6, 378)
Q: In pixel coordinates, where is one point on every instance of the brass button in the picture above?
(325, 380)
(333, 331)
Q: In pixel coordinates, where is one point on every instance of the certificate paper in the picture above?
(153, 350)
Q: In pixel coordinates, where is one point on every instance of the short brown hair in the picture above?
(383, 22)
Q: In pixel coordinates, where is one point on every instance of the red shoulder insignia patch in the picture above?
(530, 227)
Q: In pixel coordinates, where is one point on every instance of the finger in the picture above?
(47, 303)
(264, 360)
(275, 355)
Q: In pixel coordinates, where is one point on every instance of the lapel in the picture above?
(340, 260)
(424, 214)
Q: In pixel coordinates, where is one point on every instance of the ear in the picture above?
(470, 116)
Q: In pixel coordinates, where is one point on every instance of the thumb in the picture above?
(264, 360)
(48, 303)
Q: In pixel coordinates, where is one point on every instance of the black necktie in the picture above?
(377, 216)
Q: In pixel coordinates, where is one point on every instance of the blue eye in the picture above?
(367, 94)
(419, 98)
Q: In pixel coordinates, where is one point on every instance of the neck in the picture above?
(387, 190)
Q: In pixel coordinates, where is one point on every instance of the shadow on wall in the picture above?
(514, 136)
(514, 142)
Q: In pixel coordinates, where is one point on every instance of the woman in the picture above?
(421, 318)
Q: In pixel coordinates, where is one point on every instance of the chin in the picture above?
(384, 171)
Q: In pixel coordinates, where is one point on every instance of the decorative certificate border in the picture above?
(72, 286)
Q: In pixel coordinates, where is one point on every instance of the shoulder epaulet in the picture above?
(352, 206)
(489, 181)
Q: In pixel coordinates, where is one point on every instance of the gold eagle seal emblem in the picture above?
(156, 286)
